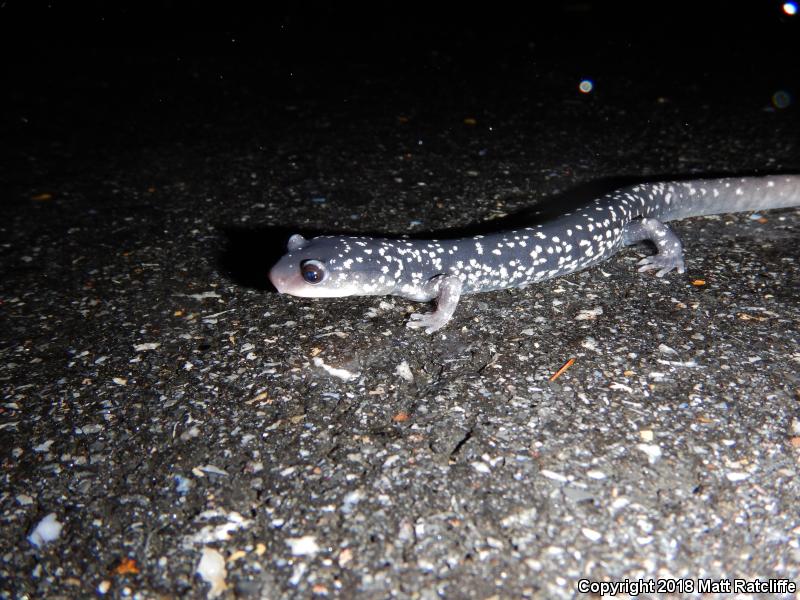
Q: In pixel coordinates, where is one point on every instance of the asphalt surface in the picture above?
(161, 400)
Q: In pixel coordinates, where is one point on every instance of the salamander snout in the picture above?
(280, 279)
(309, 279)
(328, 267)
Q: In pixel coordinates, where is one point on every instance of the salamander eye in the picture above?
(312, 271)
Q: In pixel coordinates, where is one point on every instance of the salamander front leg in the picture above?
(447, 291)
(669, 250)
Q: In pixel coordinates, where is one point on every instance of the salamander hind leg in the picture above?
(447, 290)
(669, 250)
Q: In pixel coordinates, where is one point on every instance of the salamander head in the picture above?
(332, 267)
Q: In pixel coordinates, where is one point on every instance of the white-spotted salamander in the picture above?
(423, 270)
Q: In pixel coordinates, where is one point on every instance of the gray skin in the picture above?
(424, 270)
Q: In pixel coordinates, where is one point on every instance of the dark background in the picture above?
(103, 74)
(82, 81)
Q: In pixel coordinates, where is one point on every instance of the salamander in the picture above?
(444, 270)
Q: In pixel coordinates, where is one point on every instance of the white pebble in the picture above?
(343, 374)
(146, 346)
(212, 569)
(303, 546)
(653, 451)
(589, 314)
(481, 467)
(47, 530)
(553, 475)
(591, 534)
(404, 372)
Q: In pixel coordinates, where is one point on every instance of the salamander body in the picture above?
(424, 270)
